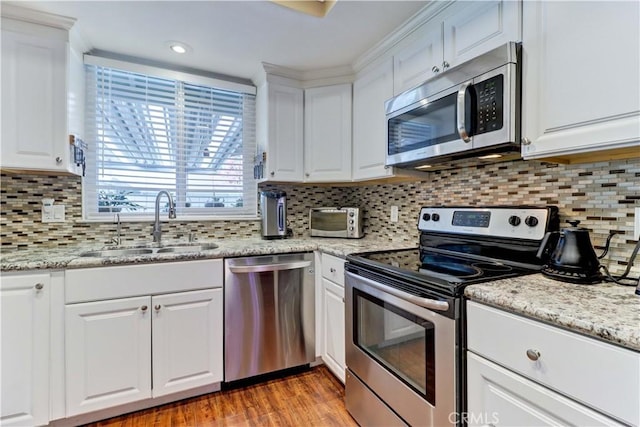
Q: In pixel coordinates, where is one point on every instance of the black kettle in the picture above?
(573, 258)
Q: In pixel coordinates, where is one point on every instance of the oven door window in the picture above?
(430, 124)
(399, 341)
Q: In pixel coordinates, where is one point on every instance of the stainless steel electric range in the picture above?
(405, 320)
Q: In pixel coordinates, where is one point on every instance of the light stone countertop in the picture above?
(606, 311)
(70, 257)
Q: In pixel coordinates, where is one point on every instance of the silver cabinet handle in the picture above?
(435, 69)
(525, 141)
(445, 65)
(268, 267)
(144, 308)
(533, 355)
(39, 286)
(158, 307)
(461, 109)
(58, 160)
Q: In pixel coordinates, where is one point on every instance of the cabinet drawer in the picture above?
(333, 269)
(600, 375)
(101, 283)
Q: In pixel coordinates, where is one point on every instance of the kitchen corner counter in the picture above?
(605, 311)
(70, 257)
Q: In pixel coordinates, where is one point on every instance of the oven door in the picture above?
(402, 350)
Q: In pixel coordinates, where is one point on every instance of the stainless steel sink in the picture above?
(117, 252)
(148, 251)
(189, 248)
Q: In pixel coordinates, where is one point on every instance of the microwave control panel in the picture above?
(489, 95)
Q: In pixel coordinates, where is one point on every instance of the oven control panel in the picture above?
(510, 222)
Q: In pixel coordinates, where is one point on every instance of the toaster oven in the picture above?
(336, 222)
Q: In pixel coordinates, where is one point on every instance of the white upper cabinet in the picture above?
(581, 85)
(280, 131)
(38, 69)
(457, 34)
(372, 87)
(327, 133)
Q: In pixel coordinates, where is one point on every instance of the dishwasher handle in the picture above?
(268, 267)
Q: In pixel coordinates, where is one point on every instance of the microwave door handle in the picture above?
(461, 112)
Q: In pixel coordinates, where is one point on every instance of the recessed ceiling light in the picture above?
(178, 47)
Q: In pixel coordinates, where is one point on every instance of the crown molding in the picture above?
(37, 17)
(409, 26)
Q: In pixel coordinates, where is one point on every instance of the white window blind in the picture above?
(148, 134)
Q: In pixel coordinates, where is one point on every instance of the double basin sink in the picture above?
(118, 252)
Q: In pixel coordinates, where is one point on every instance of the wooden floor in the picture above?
(310, 398)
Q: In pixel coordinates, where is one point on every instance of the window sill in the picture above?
(190, 218)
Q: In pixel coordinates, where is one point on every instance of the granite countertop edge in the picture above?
(606, 311)
(71, 257)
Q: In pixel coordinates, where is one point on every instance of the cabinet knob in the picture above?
(525, 141)
(39, 286)
(58, 160)
(272, 173)
(333, 270)
(158, 307)
(445, 65)
(306, 174)
(435, 69)
(533, 355)
(144, 308)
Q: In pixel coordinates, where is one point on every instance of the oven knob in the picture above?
(531, 221)
(514, 220)
(351, 214)
(351, 228)
(350, 221)
(426, 217)
(435, 217)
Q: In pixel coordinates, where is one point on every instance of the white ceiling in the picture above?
(234, 37)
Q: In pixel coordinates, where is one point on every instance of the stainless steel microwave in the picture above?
(336, 222)
(470, 110)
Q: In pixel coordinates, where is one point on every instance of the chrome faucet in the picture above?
(117, 239)
(157, 229)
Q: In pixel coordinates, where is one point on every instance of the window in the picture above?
(148, 133)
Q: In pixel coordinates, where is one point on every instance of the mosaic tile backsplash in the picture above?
(601, 195)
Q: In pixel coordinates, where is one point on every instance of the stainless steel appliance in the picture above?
(336, 222)
(404, 313)
(273, 207)
(470, 110)
(269, 314)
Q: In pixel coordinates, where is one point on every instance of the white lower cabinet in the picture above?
(333, 322)
(108, 353)
(24, 373)
(523, 372)
(497, 396)
(123, 350)
(187, 340)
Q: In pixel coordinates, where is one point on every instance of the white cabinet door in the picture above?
(581, 91)
(334, 324)
(472, 28)
(24, 305)
(327, 133)
(419, 57)
(34, 114)
(499, 397)
(108, 353)
(187, 340)
(284, 148)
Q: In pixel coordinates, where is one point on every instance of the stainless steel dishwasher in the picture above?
(269, 313)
